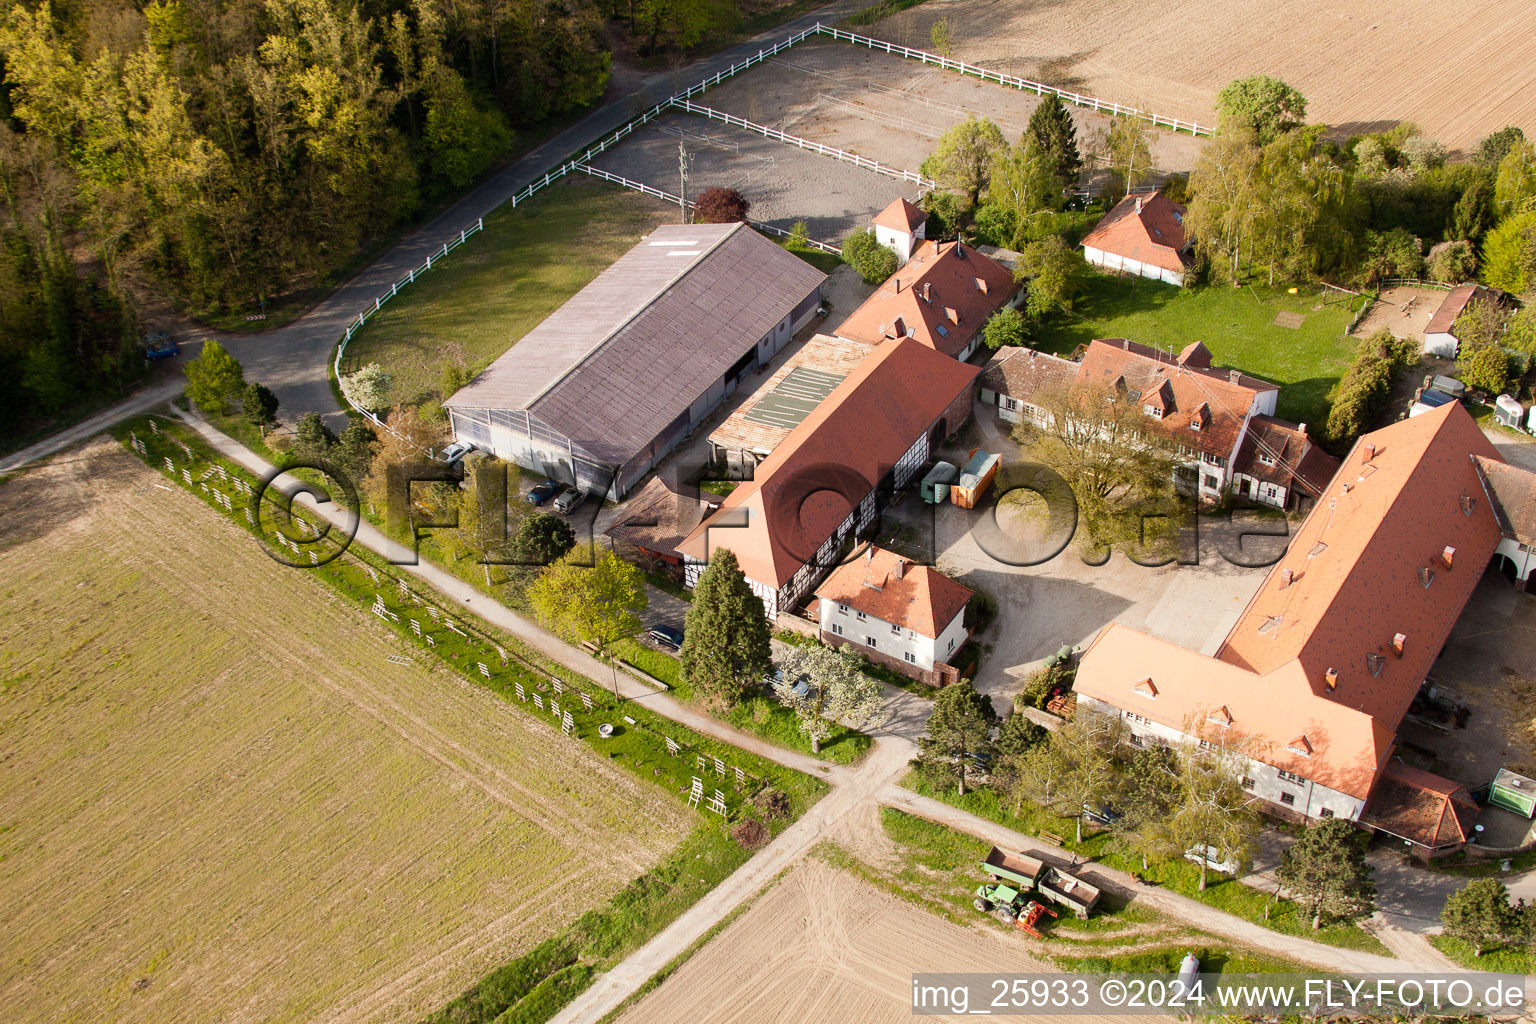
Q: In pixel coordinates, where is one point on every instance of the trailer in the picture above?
(1068, 891)
(975, 478)
(1021, 869)
(1508, 412)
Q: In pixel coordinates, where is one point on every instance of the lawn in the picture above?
(1179, 876)
(760, 715)
(634, 782)
(1511, 960)
(489, 292)
(1236, 324)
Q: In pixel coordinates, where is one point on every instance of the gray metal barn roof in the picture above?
(627, 354)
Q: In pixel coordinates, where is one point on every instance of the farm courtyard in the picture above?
(223, 802)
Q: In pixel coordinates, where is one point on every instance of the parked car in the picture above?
(568, 500)
(1214, 859)
(801, 686)
(543, 492)
(456, 451)
(666, 636)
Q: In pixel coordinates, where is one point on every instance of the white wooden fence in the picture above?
(988, 75)
(670, 197)
(681, 101)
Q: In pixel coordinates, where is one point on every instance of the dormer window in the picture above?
(1426, 576)
(1300, 745)
(1154, 411)
(1145, 688)
(1331, 678)
(1447, 556)
(1265, 459)
(1375, 663)
(1468, 503)
(1270, 624)
(1399, 643)
(1194, 424)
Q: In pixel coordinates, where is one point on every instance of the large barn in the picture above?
(615, 378)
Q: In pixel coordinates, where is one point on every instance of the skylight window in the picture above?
(1270, 624)
(1317, 549)
(942, 330)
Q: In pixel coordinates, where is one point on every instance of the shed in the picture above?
(975, 478)
(1508, 411)
(1513, 793)
(935, 486)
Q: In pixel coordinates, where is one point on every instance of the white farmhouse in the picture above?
(908, 617)
(900, 228)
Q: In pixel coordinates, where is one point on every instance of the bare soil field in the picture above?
(1459, 69)
(784, 184)
(221, 802)
(893, 110)
(822, 945)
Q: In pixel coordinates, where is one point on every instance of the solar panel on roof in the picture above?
(796, 395)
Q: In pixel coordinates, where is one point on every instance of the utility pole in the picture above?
(683, 164)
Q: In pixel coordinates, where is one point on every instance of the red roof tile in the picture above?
(1512, 491)
(941, 297)
(776, 522)
(1421, 807)
(1027, 375)
(901, 216)
(1146, 228)
(1297, 463)
(921, 599)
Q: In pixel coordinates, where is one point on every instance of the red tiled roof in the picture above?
(1310, 663)
(922, 599)
(1396, 503)
(1181, 390)
(1027, 375)
(1147, 228)
(941, 297)
(1455, 303)
(1298, 464)
(1421, 807)
(901, 216)
(776, 522)
(1512, 491)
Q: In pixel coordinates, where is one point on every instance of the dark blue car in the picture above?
(667, 636)
(543, 492)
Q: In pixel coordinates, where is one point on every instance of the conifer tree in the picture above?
(725, 643)
(1054, 131)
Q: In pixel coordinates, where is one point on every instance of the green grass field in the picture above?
(488, 293)
(1236, 324)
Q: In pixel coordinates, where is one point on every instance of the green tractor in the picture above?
(1002, 901)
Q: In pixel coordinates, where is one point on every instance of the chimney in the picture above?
(1302, 429)
(1331, 679)
(1370, 451)
(959, 250)
(1287, 577)
(1138, 204)
(1447, 556)
(927, 291)
(898, 284)
(869, 554)
(1125, 343)
(901, 565)
(1398, 642)
(1234, 375)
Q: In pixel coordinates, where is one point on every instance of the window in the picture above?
(861, 616)
(1289, 799)
(942, 332)
(1134, 717)
(1153, 411)
(911, 658)
(1266, 460)
(1247, 782)
(1326, 812)
(951, 645)
(1194, 424)
(895, 629)
(842, 609)
(837, 630)
(869, 641)
(1291, 777)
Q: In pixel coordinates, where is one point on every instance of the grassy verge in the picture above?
(1511, 961)
(477, 302)
(534, 986)
(1457, 864)
(761, 716)
(1180, 876)
(938, 870)
(1236, 324)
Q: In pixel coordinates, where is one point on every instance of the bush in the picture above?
(873, 261)
(750, 834)
(946, 214)
(1005, 327)
(1485, 369)
(720, 206)
(1509, 254)
(1452, 262)
(773, 803)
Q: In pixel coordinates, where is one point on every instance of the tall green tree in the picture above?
(873, 261)
(1005, 327)
(1145, 797)
(836, 691)
(543, 538)
(1224, 200)
(214, 378)
(1514, 186)
(1481, 915)
(1259, 104)
(1055, 133)
(1509, 254)
(1214, 812)
(1054, 273)
(1128, 147)
(726, 650)
(1492, 150)
(1081, 760)
(312, 439)
(960, 725)
(259, 404)
(590, 598)
(962, 160)
(1325, 871)
(1023, 183)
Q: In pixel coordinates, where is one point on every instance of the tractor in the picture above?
(1003, 902)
